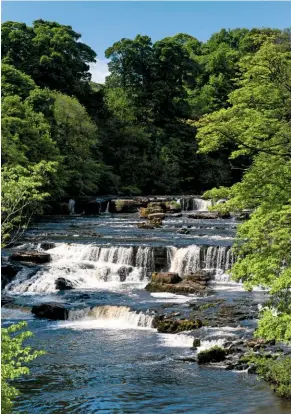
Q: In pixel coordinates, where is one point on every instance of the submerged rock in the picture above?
(146, 226)
(50, 311)
(35, 257)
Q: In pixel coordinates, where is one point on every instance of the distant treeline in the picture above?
(135, 134)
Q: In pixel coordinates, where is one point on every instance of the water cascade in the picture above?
(111, 316)
(86, 266)
(194, 203)
(80, 266)
(217, 259)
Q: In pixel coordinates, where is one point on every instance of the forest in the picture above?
(175, 116)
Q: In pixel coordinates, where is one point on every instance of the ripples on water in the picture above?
(109, 359)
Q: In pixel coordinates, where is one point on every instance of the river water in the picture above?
(107, 357)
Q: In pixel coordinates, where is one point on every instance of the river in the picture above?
(106, 357)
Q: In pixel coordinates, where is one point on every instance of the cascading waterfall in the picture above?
(217, 259)
(194, 203)
(86, 266)
(112, 316)
(80, 266)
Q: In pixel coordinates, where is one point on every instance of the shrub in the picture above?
(14, 356)
(277, 373)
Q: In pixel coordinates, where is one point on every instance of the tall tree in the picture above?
(258, 123)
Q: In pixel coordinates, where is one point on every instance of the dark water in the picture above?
(114, 365)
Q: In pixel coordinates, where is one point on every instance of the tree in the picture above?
(14, 357)
(22, 194)
(258, 123)
(50, 53)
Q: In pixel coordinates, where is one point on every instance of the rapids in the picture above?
(107, 357)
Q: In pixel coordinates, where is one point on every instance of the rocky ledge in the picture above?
(195, 283)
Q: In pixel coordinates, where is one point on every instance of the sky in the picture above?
(103, 23)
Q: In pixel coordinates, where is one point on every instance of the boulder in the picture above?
(64, 284)
(166, 325)
(124, 206)
(35, 257)
(214, 354)
(8, 272)
(47, 245)
(199, 276)
(154, 216)
(156, 207)
(165, 277)
(50, 311)
(143, 212)
(196, 343)
(180, 288)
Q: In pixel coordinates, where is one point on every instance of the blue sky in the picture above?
(103, 23)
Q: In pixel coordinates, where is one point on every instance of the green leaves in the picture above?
(258, 125)
(14, 357)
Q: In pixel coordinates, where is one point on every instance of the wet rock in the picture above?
(124, 206)
(204, 215)
(159, 216)
(258, 343)
(64, 284)
(199, 276)
(47, 245)
(165, 325)
(214, 354)
(196, 343)
(50, 311)
(143, 212)
(146, 226)
(8, 272)
(165, 277)
(35, 257)
(183, 230)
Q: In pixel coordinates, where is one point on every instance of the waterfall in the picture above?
(216, 259)
(107, 207)
(108, 316)
(201, 205)
(186, 260)
(87, 266)
(194, 203)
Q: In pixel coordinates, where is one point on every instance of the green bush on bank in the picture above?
(14, 357)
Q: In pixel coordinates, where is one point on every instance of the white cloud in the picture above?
(99, 71)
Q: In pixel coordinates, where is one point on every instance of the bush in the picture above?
(277, 373)
(13, 359)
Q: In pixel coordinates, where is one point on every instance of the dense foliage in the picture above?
(257, 124)
(14, 357)
(137, 132)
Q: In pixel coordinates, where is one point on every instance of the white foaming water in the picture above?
(87, 266)
(194, 203)
(107, 317)
(171, 297)
(176, 340)
(16, 313)
(210, 344)
(217, 259)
